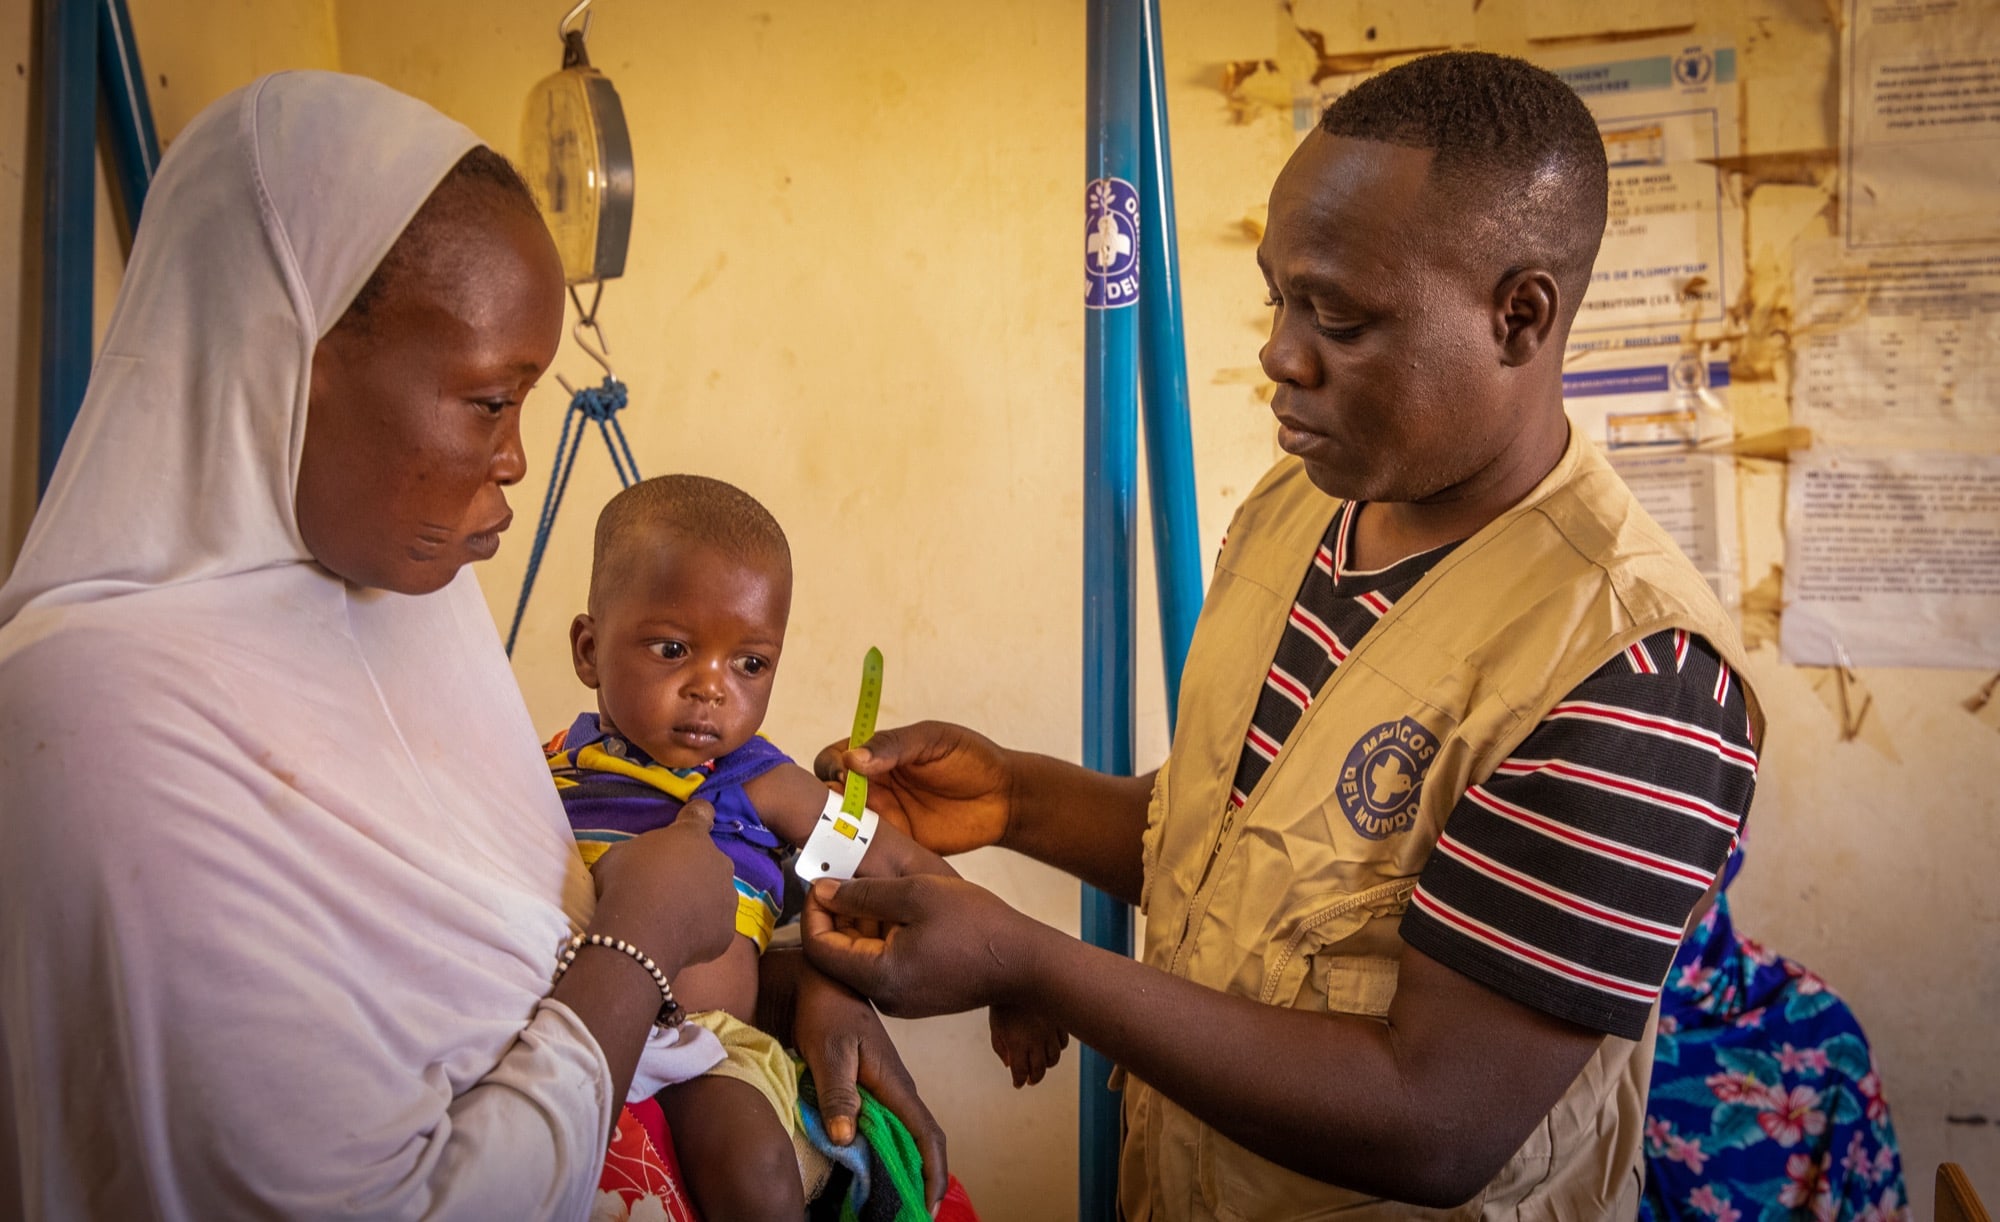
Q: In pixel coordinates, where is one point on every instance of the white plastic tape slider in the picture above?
(838, 842)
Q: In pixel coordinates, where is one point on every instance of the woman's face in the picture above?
(413, 427)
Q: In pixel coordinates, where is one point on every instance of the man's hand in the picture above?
(950, 788)
(950, 945)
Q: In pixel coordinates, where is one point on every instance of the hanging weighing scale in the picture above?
(577, 157)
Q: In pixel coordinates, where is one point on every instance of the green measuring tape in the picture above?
(866, 709)
(841, 836)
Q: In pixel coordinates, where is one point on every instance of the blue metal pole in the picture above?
(69, 205)
(1111, 461)
(135, 146)
(1163, 370)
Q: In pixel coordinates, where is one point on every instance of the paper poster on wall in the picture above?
(1892, 559)
(1920, 122)
(1897, 347)
(1644, 365)
(1667, 111)
(1656, 398)
(1693, 496)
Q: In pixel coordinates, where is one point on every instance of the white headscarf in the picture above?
(284, 874)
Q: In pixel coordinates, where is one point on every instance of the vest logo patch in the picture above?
(1384, 776)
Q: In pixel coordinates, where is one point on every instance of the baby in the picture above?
(690, 591)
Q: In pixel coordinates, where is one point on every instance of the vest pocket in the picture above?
(1356, 984)
(1308, 955)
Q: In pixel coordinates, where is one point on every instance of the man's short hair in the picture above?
(689, 509)
(1514, 147)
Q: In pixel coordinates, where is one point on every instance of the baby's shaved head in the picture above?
(691, 509)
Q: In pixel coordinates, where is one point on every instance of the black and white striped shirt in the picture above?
(1564, 880)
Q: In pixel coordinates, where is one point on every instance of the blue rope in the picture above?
(601, 404)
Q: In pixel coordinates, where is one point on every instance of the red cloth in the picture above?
(641, 1179)
(956, 1206)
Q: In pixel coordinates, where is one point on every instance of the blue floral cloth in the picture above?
(1765, 1105)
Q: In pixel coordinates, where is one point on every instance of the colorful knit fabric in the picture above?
(613, 791)
(890, 1188)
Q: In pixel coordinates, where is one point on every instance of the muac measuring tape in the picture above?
(846, 826)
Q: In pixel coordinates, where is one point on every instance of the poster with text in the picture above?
(1892, 559)
(1920, 122)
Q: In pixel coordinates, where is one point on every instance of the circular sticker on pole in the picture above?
(1110, 244)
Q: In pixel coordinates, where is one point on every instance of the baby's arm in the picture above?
(789, 800)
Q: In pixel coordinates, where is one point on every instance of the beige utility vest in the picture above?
(1296, 899)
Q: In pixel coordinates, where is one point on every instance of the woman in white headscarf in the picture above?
(285, 881)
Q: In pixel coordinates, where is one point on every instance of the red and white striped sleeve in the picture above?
(1565, 879)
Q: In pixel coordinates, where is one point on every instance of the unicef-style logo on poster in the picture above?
(1383, 778)
(1110, 244)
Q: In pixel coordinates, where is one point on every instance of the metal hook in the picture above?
(575, 53)
(586, 320)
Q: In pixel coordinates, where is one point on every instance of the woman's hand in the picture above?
(951, 788)
(951, 945)
(670, 891)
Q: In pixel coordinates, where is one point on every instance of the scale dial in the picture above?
(577, 157)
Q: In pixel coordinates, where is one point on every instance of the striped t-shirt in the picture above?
(1564, 880)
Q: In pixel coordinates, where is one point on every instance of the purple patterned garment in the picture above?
(606, 806)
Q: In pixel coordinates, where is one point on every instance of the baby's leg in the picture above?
(734, 1151)
(727, 983)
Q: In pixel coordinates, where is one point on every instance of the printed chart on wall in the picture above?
(1897, 347)
(1893, 519)
(1647, 373)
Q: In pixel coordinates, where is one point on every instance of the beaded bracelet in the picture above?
(671, 1014)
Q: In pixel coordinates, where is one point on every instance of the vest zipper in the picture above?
(1214, 854)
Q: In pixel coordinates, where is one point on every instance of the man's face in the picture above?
(684, 650)
(1386, 339)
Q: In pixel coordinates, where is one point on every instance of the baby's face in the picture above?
(685, 649)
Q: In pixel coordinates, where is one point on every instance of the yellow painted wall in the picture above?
(852, 290)
(194, 51)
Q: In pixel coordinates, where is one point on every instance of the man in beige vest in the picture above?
(1461, 737)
